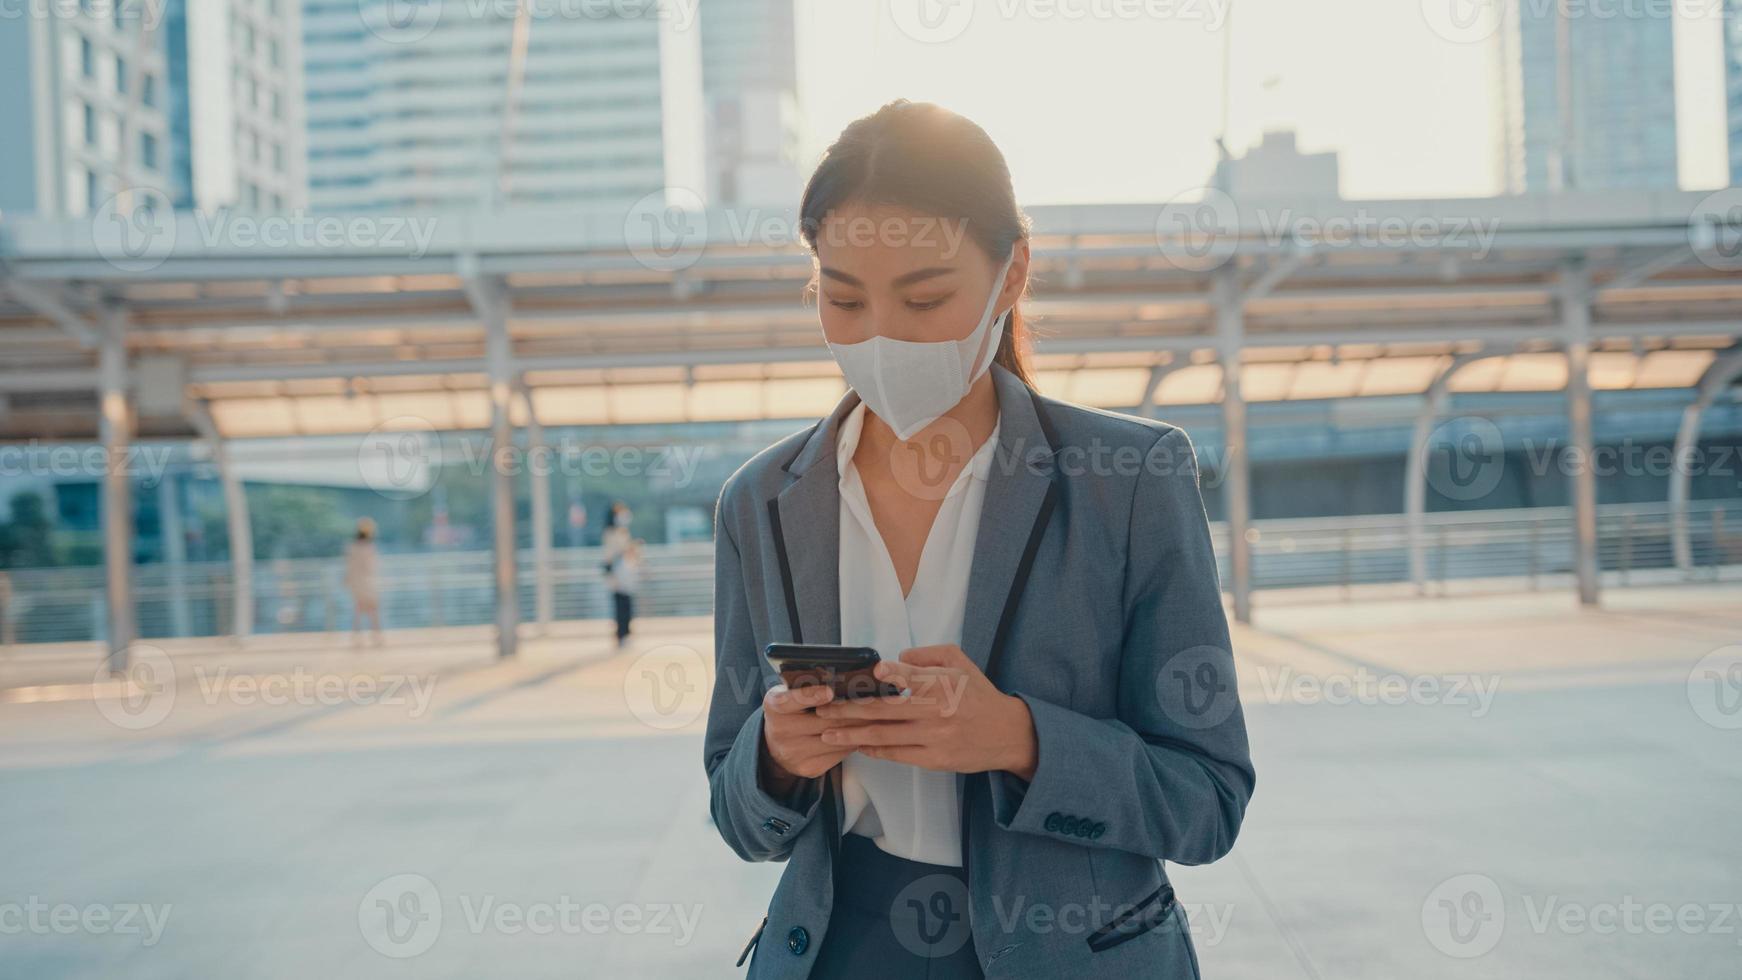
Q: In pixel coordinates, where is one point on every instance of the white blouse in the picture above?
(906, 810)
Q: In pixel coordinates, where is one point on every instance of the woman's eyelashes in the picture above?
(916, 305)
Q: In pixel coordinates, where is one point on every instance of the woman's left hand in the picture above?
(951, 717)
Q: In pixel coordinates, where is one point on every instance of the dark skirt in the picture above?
(896, 918)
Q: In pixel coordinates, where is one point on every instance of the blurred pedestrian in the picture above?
(624, 582)
(362, 578)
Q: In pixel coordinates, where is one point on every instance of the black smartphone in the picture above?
(846, 669)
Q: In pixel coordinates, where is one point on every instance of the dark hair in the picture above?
(923, 157)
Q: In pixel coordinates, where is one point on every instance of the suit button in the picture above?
(1052, 822)
(1068, 825)
(780, 827)
(1085, 827)
(1096, 833)
(798, 940)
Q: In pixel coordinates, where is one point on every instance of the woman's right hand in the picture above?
(793, 748)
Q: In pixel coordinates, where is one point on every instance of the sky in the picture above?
(1101, 100)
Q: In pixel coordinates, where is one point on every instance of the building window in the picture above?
(90, 125)
(120, 75)
(148, 150)
(93, 192)
(272, 53)
(87, 58)
(278, 157)
(148, 90)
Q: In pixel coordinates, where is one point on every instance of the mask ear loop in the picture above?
(988, 349)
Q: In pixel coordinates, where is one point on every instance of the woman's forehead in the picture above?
(885, 241)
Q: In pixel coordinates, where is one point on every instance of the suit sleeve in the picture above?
(1170, 776)
(756, 825)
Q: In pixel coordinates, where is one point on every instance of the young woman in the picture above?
(1039, 580)
(362, 578)
(614, 546)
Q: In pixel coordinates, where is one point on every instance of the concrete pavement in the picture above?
(1487, 786)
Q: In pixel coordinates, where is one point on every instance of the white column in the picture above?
(117, 509)
(499, 358)
(1236, 486)
(539, 475)
(1575, 302)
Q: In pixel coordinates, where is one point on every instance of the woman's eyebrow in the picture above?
(905, 279)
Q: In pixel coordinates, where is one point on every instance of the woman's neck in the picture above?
(974, 417)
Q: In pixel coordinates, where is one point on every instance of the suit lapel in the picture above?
(809, 531)
(1019, 490)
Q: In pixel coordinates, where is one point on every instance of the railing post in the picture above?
(437, 615)
(1626, 546)
(1440, 560)
(1535, 553)
(1717, 542)
(1348, 568)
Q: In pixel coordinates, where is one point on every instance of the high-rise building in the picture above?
(1733, 85)
(236, 106)
(83, 91)
(457, 104)
(1276, 170)
(750, 77)
(1587, 98)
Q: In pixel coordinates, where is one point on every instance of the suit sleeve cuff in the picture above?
(775, 820)
(1051, 803)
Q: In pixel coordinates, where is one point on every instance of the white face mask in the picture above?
(910, 384)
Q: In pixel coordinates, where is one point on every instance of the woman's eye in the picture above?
(842, 304)
(923, 305)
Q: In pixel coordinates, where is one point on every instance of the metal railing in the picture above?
(454, 588)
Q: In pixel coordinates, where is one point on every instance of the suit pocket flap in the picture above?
(1150, 911)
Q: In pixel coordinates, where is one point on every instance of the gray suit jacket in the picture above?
(1093, 596)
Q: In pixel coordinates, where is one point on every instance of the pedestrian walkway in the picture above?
(1488, 786)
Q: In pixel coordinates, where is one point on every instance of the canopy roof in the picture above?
(304, 324)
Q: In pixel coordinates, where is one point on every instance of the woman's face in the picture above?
(895, 273)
